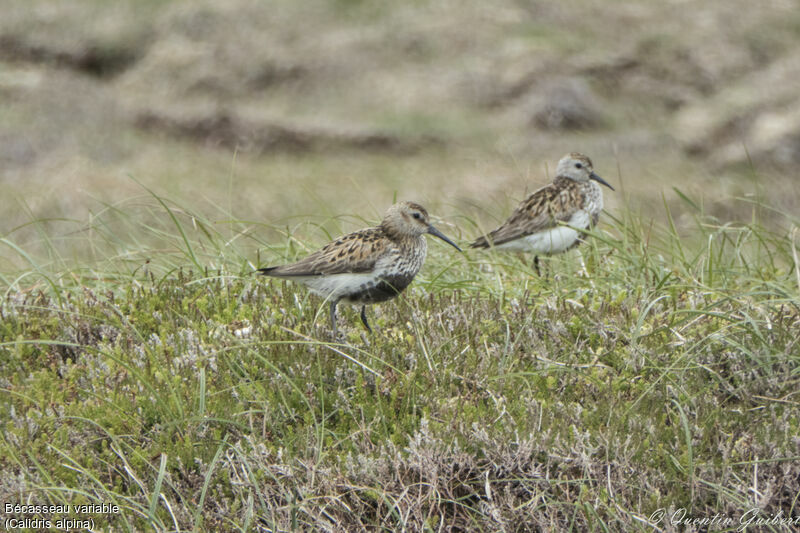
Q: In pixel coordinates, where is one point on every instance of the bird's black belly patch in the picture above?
(387, 288)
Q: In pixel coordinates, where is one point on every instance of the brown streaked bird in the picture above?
(552, 219)
(368, 266)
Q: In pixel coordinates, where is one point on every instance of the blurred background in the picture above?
(265, 110)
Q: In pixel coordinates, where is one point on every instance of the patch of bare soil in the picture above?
(225, 129)
(86, 57)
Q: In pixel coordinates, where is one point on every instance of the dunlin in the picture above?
(552, 219)
(367, 266)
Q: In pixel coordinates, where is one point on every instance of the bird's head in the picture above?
(409, 219)
(578, 167)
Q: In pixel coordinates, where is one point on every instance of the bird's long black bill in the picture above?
(436, 233)
(598, 179)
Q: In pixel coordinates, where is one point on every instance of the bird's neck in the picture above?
(396, 236)
(593, 195)
(404, 241)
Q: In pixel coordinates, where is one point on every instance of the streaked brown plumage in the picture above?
(367, 266)
(354, 252)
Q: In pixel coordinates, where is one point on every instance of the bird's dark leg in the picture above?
(333, 319)
(536, 265)
(364, 318)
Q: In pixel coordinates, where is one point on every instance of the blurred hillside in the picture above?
(281, 108)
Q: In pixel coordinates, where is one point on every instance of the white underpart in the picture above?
(336, 286)
(550, 241)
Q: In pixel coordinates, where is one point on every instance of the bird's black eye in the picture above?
(578, 165)
(417, 216)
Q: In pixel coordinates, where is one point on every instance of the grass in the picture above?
(651, 369)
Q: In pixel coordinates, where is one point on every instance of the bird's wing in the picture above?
(352, 253)
(546, 208)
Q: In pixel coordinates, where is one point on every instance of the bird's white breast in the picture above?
(335, 286)
(553, 240)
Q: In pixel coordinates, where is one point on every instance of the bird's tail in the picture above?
(265, 271)
(480, 242)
